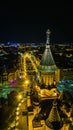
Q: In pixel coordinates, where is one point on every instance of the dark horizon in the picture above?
(27, 26)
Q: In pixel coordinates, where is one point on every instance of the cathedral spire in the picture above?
(47, 60)
(47, 38)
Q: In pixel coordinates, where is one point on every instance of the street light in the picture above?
(27, 82)
(19, 96)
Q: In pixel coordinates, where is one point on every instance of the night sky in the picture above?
(27, 25)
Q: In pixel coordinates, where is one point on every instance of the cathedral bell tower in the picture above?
(48, 69)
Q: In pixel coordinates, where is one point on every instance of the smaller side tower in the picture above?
(54, 121)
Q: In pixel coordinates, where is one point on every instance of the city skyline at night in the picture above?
(36, 66)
